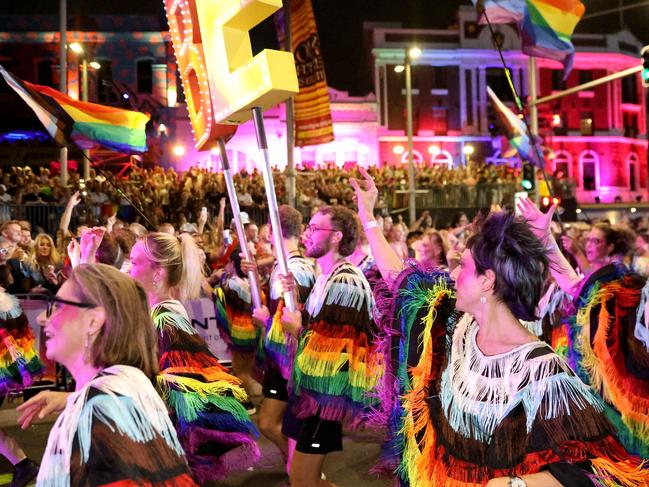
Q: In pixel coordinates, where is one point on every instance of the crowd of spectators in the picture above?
(168, 196)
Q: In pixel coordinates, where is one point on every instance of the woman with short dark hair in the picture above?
(481, 399)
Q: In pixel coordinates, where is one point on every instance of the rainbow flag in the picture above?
(87, 125)
(500, 11)
(547, 28)
(516, 131)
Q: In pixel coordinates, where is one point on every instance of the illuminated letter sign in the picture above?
(188, 46)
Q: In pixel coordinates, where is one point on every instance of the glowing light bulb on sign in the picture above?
(187, 41)
(224, 81)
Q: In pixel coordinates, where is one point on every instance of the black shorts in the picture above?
(274, 385)
(313, 435)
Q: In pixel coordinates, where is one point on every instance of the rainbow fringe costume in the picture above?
(338, 362)
(205, 401)
(280, 347)
(238, 331)
(19, 362)
(607, 352)
(464, 418)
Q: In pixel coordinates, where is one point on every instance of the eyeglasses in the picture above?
(594, 241)
(52, 300)
(314, 228)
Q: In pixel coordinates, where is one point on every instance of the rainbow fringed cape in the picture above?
(115, 431)
(205, 402)
(608, 352)
(338, 363)
(19, 362)
(280, 347)
(241, 333)
(464, 418)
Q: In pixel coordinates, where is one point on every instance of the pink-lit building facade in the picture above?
(596, 137)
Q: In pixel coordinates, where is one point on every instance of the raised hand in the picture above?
(90, 242)
(39, 406)
(538, 221)
(366, 195)
(75, 199)
(74, 252)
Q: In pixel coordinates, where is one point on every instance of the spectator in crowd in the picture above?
(45, 263)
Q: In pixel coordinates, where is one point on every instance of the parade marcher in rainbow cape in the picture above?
(477, 399)
(338, 362)
(204, 400)
(607, 342)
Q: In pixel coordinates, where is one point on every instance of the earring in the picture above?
(86, 346)
(483, 300)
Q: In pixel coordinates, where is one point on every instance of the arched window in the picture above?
(589, 170)
(144, 69)
(633, 164)
(442, 157)
(416, 155)
(563, 162)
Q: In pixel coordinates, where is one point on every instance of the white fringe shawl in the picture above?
(345, 286)
(641, 331)
(477, 392)
(302, 269)
(241, 287)
(130, 406)
(172, 313)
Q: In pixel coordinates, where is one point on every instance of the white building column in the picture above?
(482, 93)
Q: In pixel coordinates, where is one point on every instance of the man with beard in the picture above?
(337, 363)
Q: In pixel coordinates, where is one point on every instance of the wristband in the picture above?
(368, 225)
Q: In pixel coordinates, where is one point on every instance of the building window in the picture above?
(630, 121)
(585, 76)
(558, 83)
(44, 72)
(105, 89)
(443, 157)
(589, 163)
(633, 171)
(497, 81)
(630, 90)
(145, 76)
(563, 162)
(586, 123)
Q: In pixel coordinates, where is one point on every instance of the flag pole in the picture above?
(290, 115)
(236, 216)
(282, 262)
(119, 191)
(540, 160)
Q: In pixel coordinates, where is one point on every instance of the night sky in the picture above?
(340, 25)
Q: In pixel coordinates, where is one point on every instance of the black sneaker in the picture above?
(24, 472)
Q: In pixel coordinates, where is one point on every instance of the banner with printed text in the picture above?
(312, 108)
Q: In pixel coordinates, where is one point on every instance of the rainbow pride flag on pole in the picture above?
(516, 131)
(500, 11)
(547, 28)
(87, 125)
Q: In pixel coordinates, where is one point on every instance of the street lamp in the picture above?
(78, 49)
(412, 53)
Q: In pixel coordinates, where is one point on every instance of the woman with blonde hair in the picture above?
(205, 402)
(45, 261)
(114, 429)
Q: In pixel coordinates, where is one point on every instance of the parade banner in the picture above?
(202, 312)
(312, 108)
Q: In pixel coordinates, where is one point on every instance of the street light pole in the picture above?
(412, 195)
(63, 80)
(84, 97)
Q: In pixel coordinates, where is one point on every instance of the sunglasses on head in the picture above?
(52, 300)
